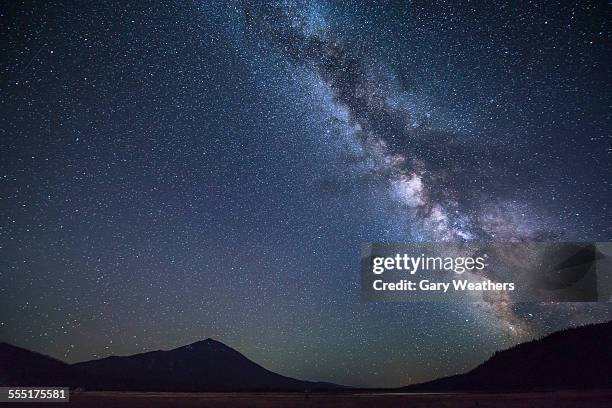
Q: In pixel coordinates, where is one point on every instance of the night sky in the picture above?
(175, 171)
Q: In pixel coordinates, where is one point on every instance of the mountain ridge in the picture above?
(564, 359)
(205, 365)
(574, 358)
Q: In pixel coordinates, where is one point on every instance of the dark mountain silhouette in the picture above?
(577, 358)
(19, 366)
(207, 365)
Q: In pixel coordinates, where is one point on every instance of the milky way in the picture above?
(426, 169)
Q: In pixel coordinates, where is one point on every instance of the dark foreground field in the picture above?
(368, 400)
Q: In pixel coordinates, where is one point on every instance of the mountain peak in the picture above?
(208, 343)
(201, 366)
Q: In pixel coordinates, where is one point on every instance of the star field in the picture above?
(177, 171)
